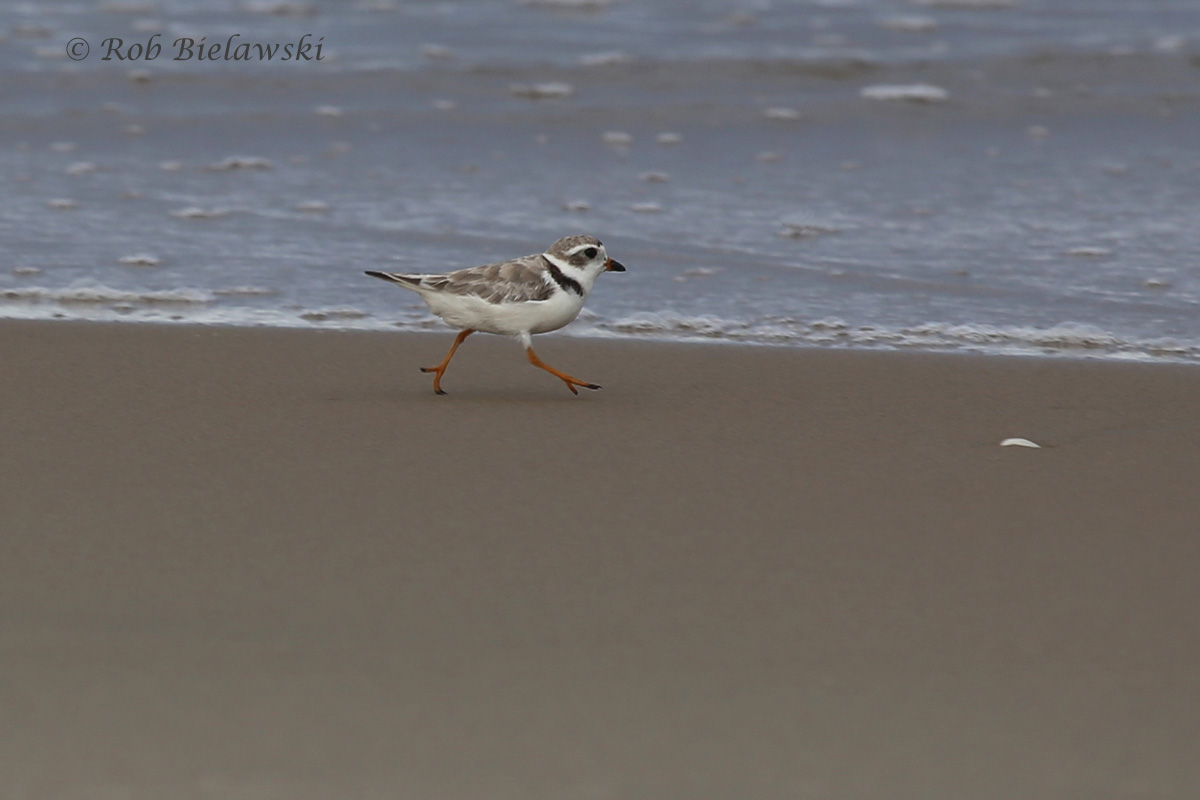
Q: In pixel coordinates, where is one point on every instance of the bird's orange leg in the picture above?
(441, 368)
(564, 377)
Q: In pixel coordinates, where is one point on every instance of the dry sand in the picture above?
(272, 564)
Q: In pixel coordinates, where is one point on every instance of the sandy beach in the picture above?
(264, 563)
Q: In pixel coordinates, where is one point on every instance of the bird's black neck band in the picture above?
(565, 283)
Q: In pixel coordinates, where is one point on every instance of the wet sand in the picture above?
(273, 564)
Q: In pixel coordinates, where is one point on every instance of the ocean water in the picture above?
(1005, 177)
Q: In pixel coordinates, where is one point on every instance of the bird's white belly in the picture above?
(508, 319)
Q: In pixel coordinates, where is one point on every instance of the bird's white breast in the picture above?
(508, 319)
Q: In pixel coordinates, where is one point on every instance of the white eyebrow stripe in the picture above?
(581, 247)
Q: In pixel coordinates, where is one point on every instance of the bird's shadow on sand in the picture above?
(473, 396)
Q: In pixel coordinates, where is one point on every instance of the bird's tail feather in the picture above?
(407, 281)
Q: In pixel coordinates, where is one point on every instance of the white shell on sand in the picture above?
(1016, 442)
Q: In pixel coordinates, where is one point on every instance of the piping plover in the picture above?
(528, 295)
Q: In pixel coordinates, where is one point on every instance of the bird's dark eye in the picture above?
(590, 252)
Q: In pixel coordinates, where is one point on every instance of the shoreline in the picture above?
(1088, 354)
(272, 563)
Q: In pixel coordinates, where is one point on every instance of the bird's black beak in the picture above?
(613, 265)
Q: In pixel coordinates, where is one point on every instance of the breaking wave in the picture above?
(104, 295)
(1065, 338)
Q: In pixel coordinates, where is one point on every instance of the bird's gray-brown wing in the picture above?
(518, 281)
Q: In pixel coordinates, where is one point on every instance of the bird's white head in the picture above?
(581, 258)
